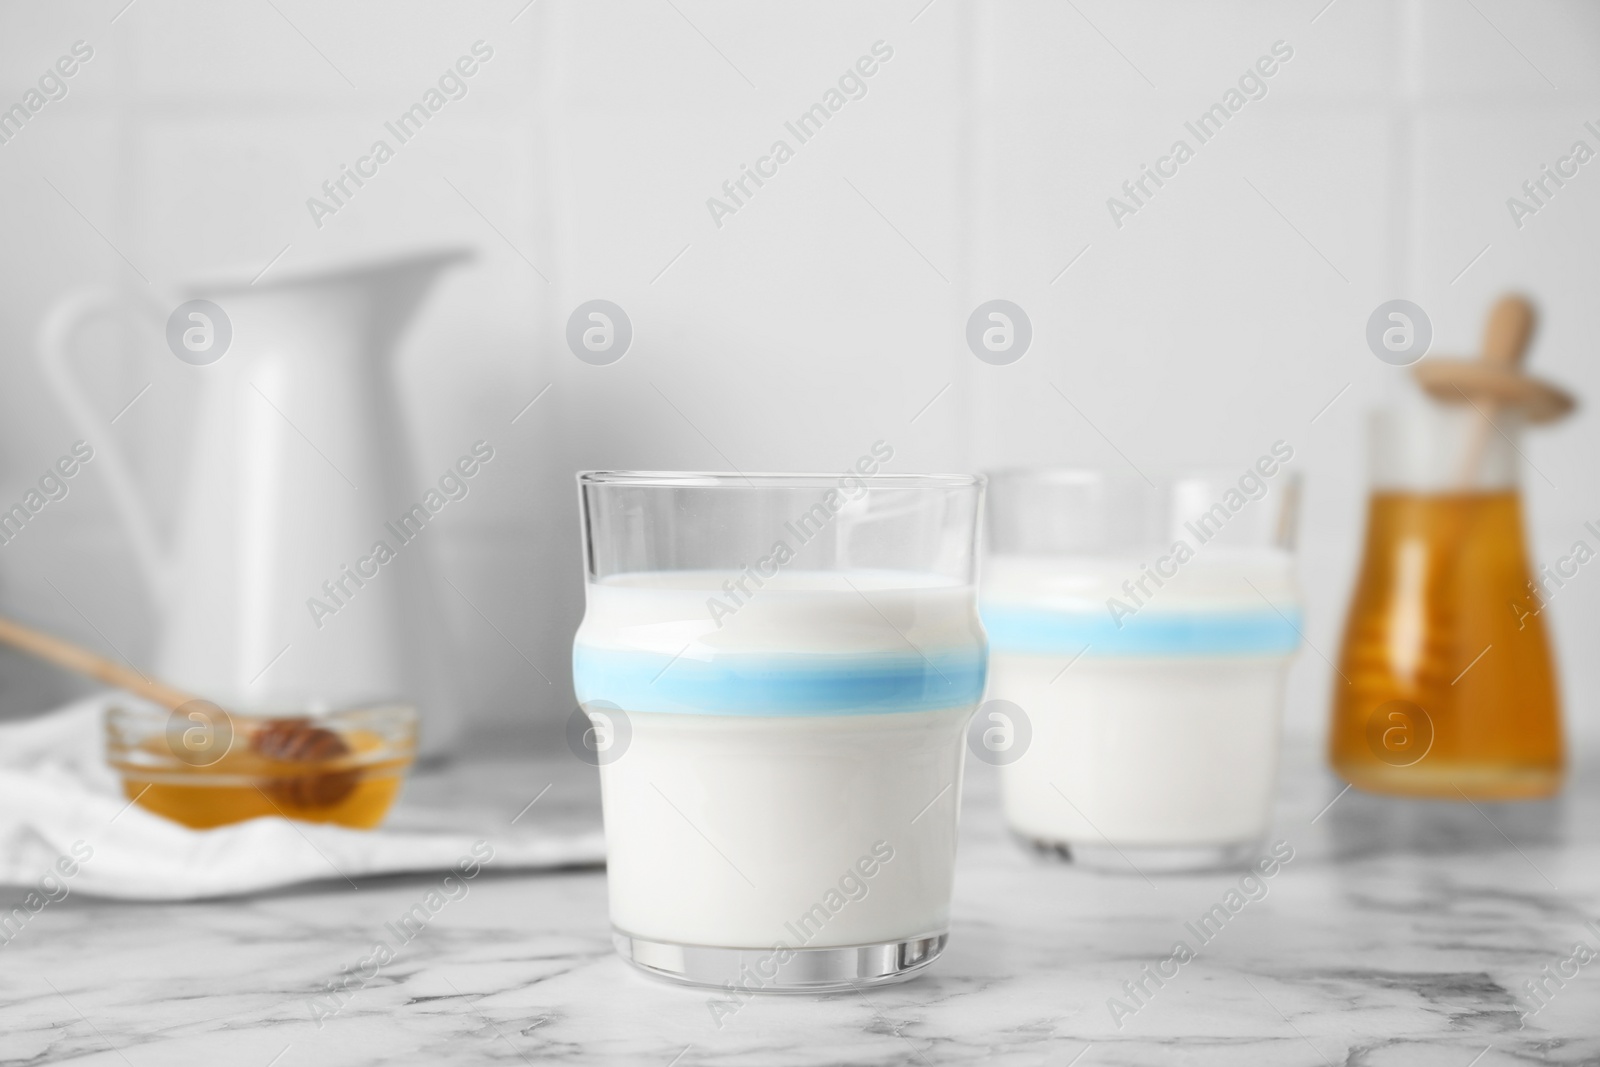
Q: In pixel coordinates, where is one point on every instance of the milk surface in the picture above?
(1164, 730)
(793, 774)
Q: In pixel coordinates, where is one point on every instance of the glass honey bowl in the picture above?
(203, 767)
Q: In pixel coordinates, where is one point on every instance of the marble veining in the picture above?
(1400, 933)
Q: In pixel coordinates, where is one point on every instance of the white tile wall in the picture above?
(828, 311)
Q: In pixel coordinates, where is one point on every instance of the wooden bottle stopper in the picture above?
(1496, 380)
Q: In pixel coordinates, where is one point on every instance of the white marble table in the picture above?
(1397, 935)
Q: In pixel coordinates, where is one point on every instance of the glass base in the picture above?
(808, 970)
(1151, 859)
(1442, 779)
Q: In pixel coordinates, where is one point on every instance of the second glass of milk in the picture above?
(783, 668)
(1142, 633)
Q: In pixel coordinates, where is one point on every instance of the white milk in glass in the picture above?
(793, 768)
(1154, 731)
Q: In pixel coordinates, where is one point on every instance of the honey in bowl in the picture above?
(202, 767)
(1447, 686)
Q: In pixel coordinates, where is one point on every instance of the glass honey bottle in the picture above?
(1445, 684)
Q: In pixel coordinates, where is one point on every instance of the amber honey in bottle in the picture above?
(1445, 686)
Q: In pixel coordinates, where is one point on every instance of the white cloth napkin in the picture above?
(57, 791)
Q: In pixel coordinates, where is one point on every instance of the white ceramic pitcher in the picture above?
(298, 460)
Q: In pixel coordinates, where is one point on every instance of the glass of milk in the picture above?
(1141, 636)
(778, 672)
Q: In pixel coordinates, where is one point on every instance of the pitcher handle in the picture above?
(56, 332)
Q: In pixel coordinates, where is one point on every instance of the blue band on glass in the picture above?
(779, 684)
(1248, 632)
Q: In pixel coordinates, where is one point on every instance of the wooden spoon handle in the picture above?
(1510, 327)
(76, 658)
(1505, 342)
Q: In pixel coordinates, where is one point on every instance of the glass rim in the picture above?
(775, 480)
(132, 710)
(1088, 475)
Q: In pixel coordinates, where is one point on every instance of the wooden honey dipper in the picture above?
(80, 660)
(1495, 381)
(293, 740)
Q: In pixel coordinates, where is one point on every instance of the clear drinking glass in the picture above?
(1142, 634)
(782, 668)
